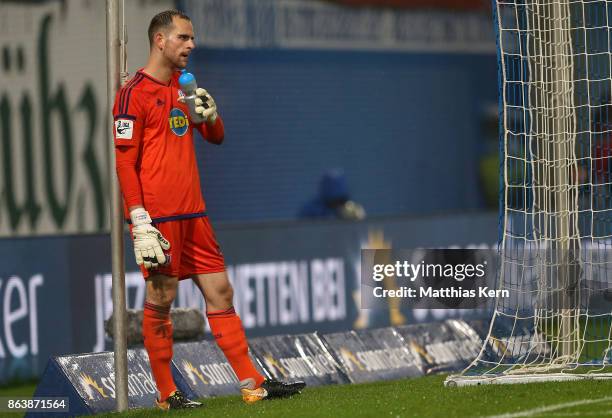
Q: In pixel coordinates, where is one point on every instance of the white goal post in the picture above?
(555, 86)
(116, 74)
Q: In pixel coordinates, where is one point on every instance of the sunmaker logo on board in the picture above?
(372, 360)
(89, 384)
(209, 374)
(299, 367)
(140, 383)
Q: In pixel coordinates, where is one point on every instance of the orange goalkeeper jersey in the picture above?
(154, 149)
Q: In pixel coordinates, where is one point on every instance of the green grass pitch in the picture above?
(424, 397)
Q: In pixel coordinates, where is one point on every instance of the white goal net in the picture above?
(556, 195)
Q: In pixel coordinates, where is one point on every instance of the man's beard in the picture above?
(176, 63)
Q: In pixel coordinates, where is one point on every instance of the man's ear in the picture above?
(159, 40)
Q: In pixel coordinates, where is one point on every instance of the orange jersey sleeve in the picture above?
(129, 119)
(212, 133)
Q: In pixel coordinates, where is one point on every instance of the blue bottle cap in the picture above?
(186, 78)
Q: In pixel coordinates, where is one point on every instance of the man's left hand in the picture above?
(206, 106)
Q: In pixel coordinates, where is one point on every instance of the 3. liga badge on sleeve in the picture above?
(124, 128)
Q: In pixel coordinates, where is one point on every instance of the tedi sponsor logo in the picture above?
(178, 122)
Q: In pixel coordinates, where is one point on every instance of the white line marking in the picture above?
(549, 408)
(583, 414)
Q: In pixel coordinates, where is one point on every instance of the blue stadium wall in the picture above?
(289, 277)
(406, 128)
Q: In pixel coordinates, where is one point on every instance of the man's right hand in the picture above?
(149, 243)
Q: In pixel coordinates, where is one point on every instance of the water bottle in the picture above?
(188, 87)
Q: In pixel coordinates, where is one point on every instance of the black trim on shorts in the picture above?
(175, 217)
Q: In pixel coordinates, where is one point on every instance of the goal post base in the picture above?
(460, 381)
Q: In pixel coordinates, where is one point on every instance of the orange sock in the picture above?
(157, 333)
(229, 334)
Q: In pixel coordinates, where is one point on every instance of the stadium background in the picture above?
(401, 101)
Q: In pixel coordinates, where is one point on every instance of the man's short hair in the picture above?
(163, 20)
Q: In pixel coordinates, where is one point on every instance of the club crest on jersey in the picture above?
(178, 122)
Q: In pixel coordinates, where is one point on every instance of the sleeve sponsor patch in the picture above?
(124, 128)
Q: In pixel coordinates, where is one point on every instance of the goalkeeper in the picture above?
(173, 238)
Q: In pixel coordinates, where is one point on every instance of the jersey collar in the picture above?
(141, 71)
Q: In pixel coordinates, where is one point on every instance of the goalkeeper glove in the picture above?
(149, 243)
(206, 106)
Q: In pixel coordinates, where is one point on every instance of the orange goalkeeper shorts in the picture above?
(193, 249)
